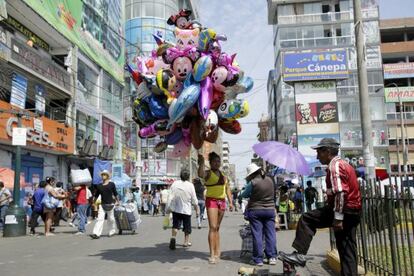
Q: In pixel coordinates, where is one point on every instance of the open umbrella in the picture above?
(283, 156)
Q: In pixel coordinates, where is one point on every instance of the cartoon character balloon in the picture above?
(166, 81)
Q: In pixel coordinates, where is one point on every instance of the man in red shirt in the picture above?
(342, 211)
(82, 206)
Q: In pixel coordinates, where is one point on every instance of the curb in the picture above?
(332, 257)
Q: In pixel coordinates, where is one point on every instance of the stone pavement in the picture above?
(145, 253)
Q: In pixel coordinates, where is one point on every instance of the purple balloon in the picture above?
(175, 137)
(206, 97)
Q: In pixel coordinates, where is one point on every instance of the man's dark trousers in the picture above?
(345, 239)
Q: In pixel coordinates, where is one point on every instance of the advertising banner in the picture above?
(399, 70)
(4, 49)
(316, 65)
(393, 94)
(94, 26)
(18, 91)
(316, 115)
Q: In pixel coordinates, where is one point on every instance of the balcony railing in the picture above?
(316, 42)
(315, 18)
(397, 115)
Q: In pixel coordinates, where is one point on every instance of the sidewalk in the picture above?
(146, 253)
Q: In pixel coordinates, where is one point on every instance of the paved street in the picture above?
(146, 253)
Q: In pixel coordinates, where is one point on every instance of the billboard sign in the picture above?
(393, 94)
(399, 70)
(94, 26)
(315, 65)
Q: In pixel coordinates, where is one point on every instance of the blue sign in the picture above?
(317, 65)
(18, 91)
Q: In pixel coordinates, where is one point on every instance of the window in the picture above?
(284, 10)
(136, 9)
(89, 80)
(312, 8)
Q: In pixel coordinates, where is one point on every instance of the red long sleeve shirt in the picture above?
(342, 188)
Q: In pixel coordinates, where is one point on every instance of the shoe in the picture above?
(111, 235)
(172, 243)
(187, 244)
(213, 260)
(49, 234)
(52, 229)
(256, 264)
(272, 261)
(94, 236)
(294, 258)
(72, 224)
(32, 233)
(79, 233)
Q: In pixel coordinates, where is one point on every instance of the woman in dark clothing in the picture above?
(201, 197)
(109, 196)
(261, 213)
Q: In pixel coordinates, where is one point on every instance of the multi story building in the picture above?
(62, 62)
(397, 49)
(313, 89)
(143, 20)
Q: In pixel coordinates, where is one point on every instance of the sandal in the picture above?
(212, 260)
(187, 244)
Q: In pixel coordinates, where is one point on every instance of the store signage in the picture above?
(40, 98)
(316, 65)
(54, 137)
(27, 33)
(46, 68)
(399, 70)
(4, 49)
(18, 91)
(38, 124)
(394, 94)
(19, 136)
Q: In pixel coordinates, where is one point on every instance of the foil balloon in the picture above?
(218, 77)
(159, 127)
(211, 123)
(204, 39)
(143, 90)
(136, 76)
(181, 149)
(186, 135)
(166, 81)
(233, 109)
(181, 19)
(197, 132)
(230, 126)
(160, 147)
(211, 136)
(182, 67)
(202, 68)
(158, 107)
(141, 113)
(218, 98)
(188, 97)
(186, 37)
(175, 137)
(243, 85)
(206, 98)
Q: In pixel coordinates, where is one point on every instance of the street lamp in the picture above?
(402, 127)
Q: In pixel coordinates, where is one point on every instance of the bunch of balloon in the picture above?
(187, 90)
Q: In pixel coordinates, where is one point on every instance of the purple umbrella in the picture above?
(283, 156)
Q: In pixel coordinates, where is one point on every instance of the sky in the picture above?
(244, 22)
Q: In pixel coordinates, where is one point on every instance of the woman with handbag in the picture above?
(109, 196)
(50, 202)
(218, 189)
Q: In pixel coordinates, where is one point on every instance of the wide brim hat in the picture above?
(105, 172)
(251, 169)
(327, 143)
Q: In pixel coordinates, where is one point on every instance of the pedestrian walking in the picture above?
(145, 202)
(183, 197)
(311, 194)
(82, 204)
(155, 201)
(260, 211)
(298, 199)
(50, 202)
(109, 196)
(164, 198)
(5, 200)
(37, 207)
(137, 194)
(56, 219)
(201, 196)
(342, 211)
(218, 188)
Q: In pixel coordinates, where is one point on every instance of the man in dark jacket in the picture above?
(37, 206)
(342, 212)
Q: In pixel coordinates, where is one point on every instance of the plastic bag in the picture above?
(166, 223)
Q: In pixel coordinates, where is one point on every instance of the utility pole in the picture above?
(366, 126)
(15, 222)
(402, 124)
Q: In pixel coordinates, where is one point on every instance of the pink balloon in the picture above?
(206, 97)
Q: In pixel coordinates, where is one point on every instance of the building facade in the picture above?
(313, 89)
(62, 65)
(397, 49)
(143, 20)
